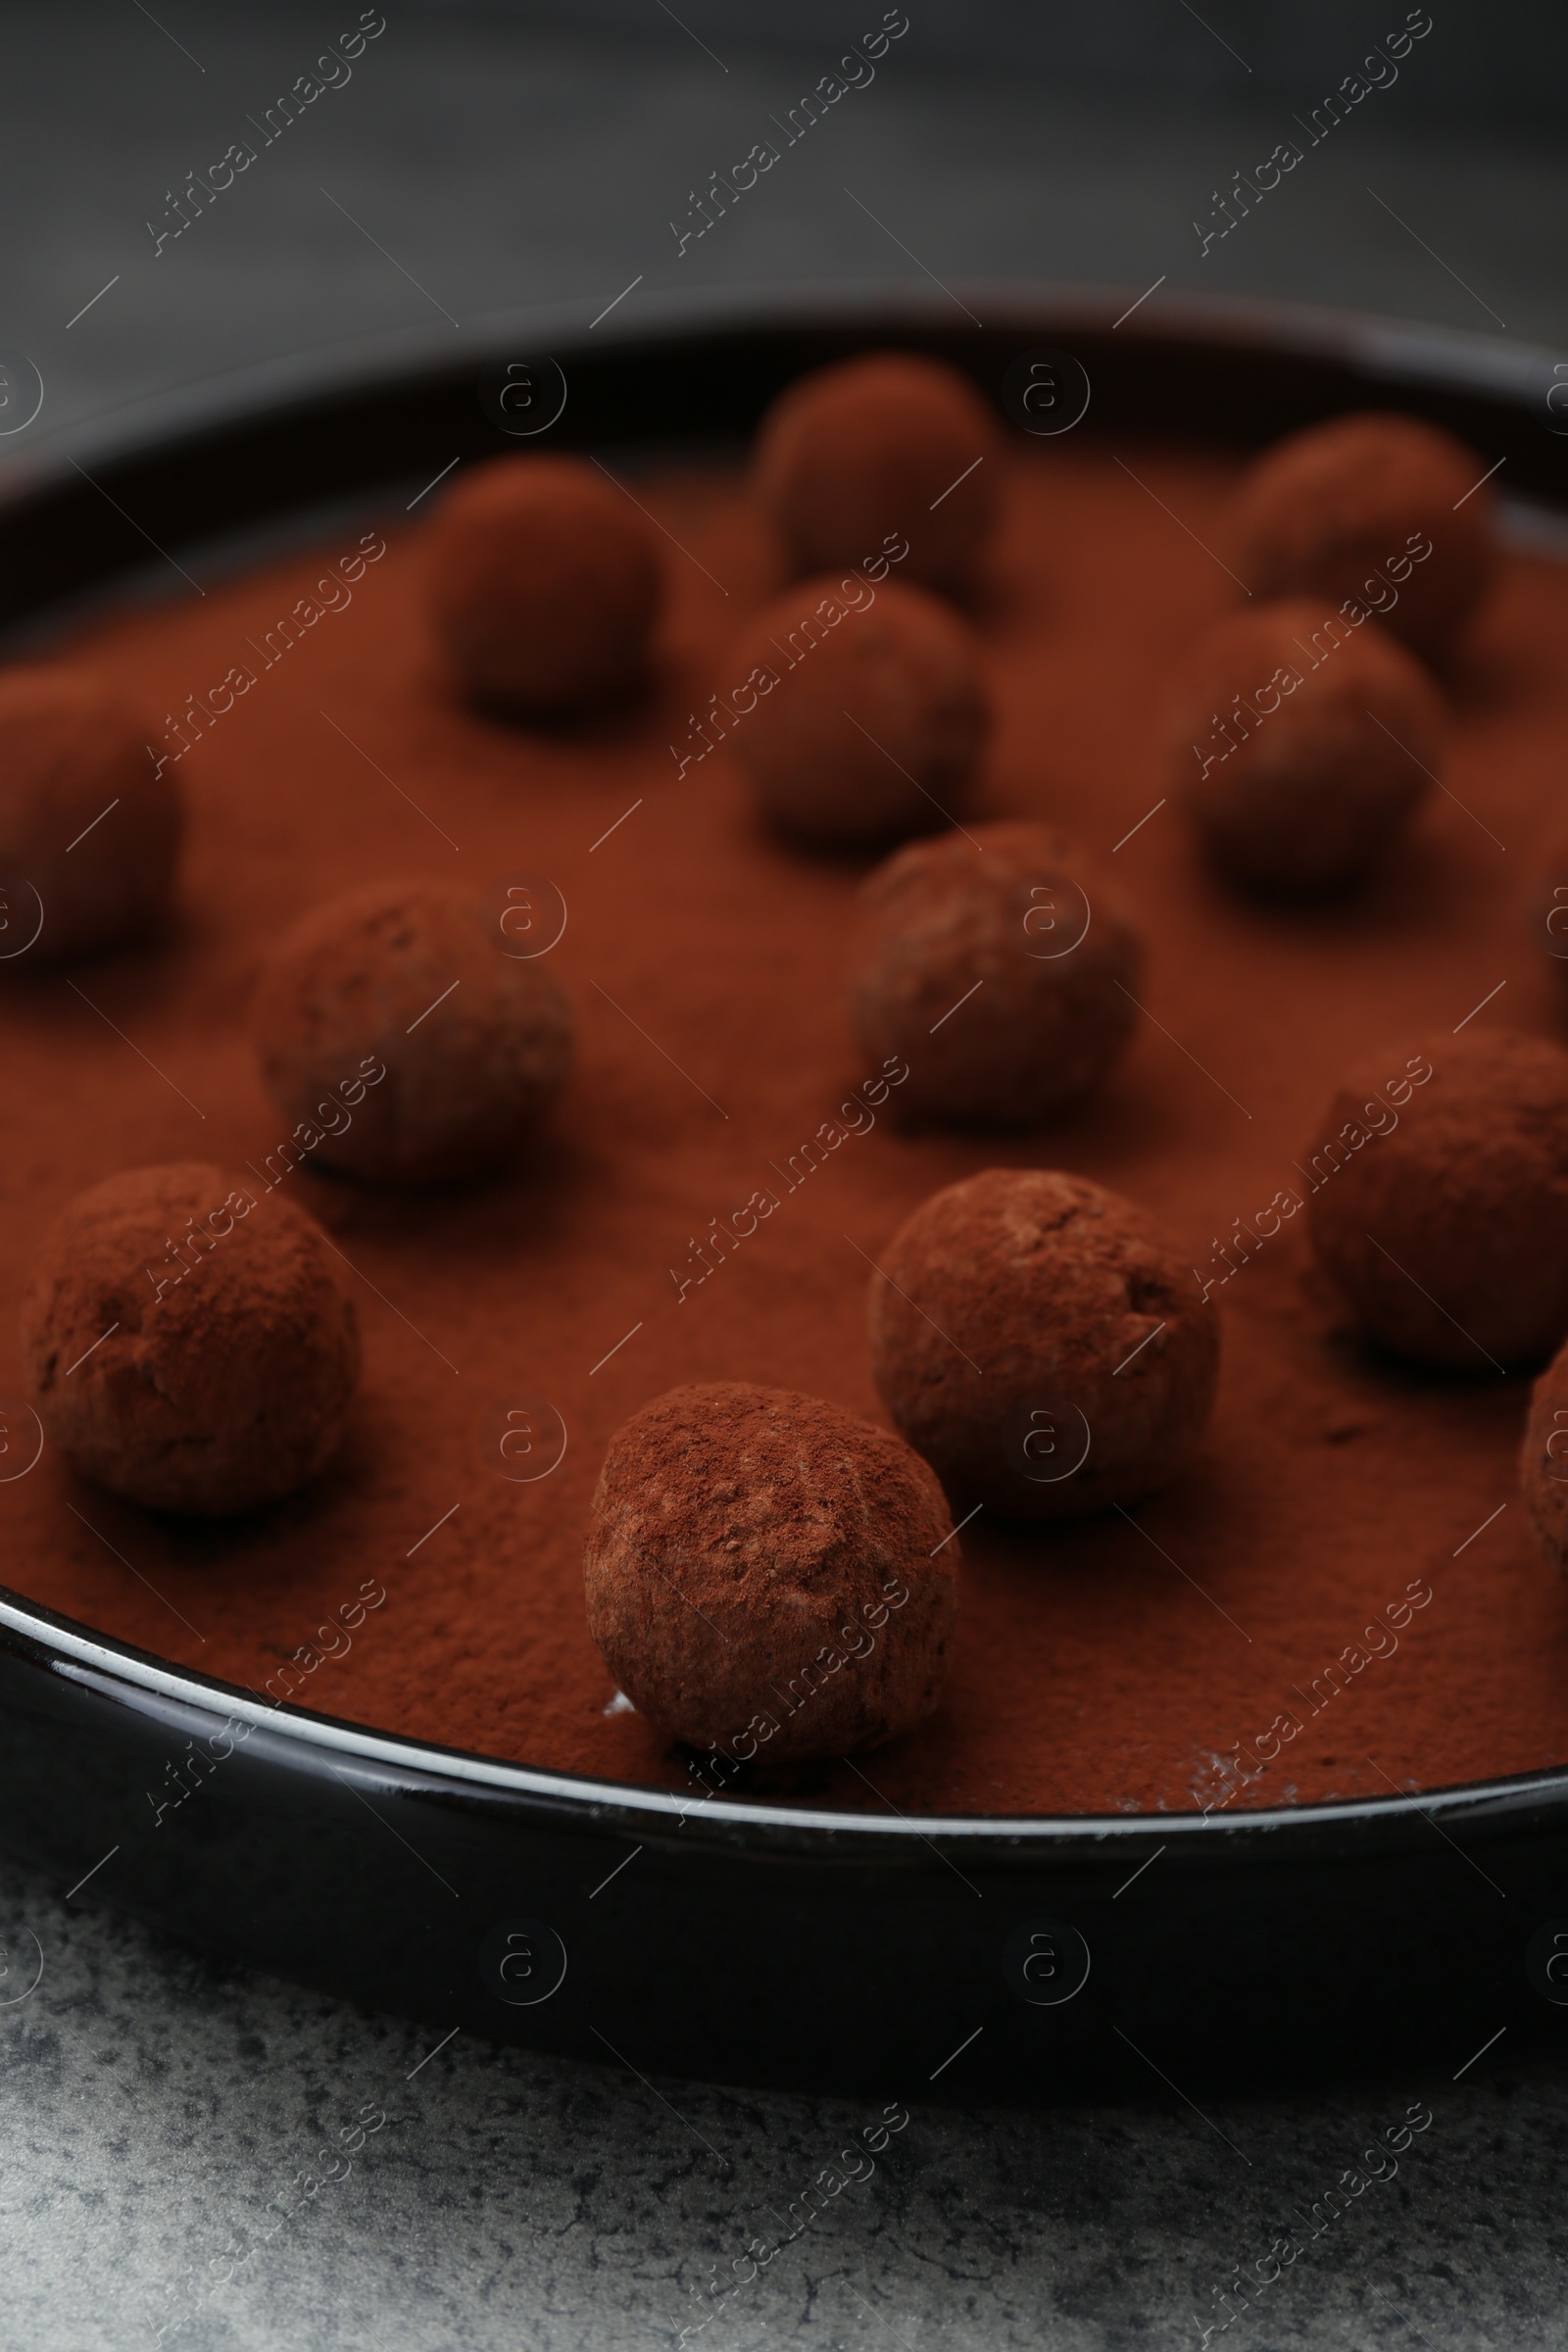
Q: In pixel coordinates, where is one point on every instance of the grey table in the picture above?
(156, 2105)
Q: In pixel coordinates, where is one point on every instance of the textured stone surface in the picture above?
(504, 166)
(152, 2104)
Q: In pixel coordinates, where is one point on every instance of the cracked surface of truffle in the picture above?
(544, 586)
(873, 724)
(188, 1344)
(877, 449)
(1042, 1344)
(1344, 508)
(997, 963)
(1300, 746)
(759, 1573)
(89, 828)
(1441, 1214)
(472, 1043)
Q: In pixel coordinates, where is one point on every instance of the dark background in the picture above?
(504, 156)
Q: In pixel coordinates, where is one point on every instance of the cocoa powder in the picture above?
(1097, 1667)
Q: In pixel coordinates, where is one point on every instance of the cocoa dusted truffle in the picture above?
(1301, 743)
(544, 584)
(767, 1575)
(1002, 966)
(1439, 1201)
(89, 825)
(1544, 1461)
(1042, 1344)
(399, 1044)
(859, 457)
(868, 715)
(188, 1343)
(1548, 909)
(1382, 509)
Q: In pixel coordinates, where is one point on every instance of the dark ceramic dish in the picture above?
(754, 1941)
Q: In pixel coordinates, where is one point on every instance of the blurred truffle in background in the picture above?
(1386, 510)
(545, 583)
(1002, 964)
(880, 449)
(402, 1042)
(1301, 743)
(90, 824)
(868, 713)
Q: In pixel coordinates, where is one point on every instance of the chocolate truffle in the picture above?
(867, 713)
(1042, 1344)
(1002, 965)
(1299, 744)
(399, 1044)
(544, 584)
(1544, 1461)
(1549, 908)
(188, 1341)
(1384, 509)
(858, 459)
(767, 1575)
(89, 823)
(1439, 1200)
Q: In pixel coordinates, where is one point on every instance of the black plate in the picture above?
(749, 1941)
